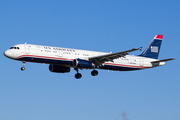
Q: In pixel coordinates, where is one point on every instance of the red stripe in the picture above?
(43, 57)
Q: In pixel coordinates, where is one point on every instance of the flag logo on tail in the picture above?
(154, 49)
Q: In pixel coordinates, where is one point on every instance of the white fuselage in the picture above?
(65, 56)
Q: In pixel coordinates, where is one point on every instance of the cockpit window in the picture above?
(14, 48)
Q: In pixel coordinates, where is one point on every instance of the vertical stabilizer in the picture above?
(153, 49)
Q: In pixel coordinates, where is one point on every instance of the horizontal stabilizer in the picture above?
(163, 60)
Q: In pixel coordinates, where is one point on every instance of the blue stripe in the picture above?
(48, 61)
(120, 68)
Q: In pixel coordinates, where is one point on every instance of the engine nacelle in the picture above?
(82, 63)
(59, 68)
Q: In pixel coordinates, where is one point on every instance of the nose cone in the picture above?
(8, 54)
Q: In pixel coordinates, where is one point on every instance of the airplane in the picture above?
(61, 60)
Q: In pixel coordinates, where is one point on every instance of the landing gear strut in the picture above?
(23, 68)
(94, 73)
(77, 75)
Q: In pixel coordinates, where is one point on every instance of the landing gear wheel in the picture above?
(78, 75)
(22, 68)
(94, 73)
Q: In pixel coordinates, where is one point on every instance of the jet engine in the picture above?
(59, 68)
(82, 63)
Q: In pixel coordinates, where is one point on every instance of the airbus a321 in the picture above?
(60, 59)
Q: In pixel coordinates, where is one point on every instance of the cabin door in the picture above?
(141, 61)
(60, 53)
(27, 49)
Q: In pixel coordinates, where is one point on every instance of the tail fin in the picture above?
(153, 49)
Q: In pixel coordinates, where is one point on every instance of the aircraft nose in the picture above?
(7, 53)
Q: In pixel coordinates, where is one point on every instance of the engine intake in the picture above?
(82, 63)
(59, 68)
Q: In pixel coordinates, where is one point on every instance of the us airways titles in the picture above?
(62, 49)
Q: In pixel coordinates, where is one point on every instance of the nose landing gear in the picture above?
(23, 68)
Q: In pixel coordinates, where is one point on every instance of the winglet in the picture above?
(158, 37)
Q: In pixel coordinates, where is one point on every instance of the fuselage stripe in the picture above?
(43, 57)
(55, 58)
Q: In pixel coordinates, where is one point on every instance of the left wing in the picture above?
(98, 60)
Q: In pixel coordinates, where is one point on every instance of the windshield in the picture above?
(14, 48)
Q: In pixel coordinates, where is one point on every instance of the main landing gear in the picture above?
(79, 75)
(23, 68)
(94, 73)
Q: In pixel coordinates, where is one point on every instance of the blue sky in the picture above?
(100, 25)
